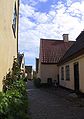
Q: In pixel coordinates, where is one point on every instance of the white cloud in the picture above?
(41, 18)
(59, 20)
(26, 10)
(43, 0)
(33, 2)
(26, 24)
(69, 2)
(77, 9)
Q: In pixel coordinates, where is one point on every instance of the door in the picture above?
(76, 77)
(58, 79)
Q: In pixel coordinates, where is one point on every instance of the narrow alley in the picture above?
(51, 103)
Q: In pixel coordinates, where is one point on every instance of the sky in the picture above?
(47, 19)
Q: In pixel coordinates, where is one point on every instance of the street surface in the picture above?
(51, 103)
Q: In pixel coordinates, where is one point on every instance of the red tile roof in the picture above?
(52, 50)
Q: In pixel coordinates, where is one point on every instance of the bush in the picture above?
(25, 79)
(13, 99)
(14, 103)
(37, 82)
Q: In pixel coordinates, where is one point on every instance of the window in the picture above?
(14, 21)
(67, 72)
(62, 73)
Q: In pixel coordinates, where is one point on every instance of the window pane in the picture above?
(14, 21)
(67, 72)
(62, 73)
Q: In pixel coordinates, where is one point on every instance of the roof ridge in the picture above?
(50, 39)
(55, 40)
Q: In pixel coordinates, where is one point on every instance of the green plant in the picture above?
(12, 76)
(13, 99)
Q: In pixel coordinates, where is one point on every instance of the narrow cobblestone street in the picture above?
(50, 103)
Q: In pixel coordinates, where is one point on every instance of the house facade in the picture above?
(51, 52)
(37, 64)
(21, 61)
(9, 14)
(28, 70)
(71, 66)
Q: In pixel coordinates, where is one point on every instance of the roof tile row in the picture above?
(51, 51)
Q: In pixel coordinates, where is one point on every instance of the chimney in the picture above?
(65, 37)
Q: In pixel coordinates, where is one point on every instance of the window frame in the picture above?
(67, 69)
(62, 73)
(14, 20)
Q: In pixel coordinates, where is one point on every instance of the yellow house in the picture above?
(71, 66)
(36, 69)
(21, 61)
(28, 71)
(50, 53)
(9, 15)
(37, 64)
(34, 74)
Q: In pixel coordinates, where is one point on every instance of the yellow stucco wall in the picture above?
(70, 83)
(47, 71)
(81, 75)
(8, 44)
(67, 83)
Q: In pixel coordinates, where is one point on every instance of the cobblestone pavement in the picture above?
(51, 103)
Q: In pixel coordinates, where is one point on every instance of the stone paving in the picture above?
(51, 103)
